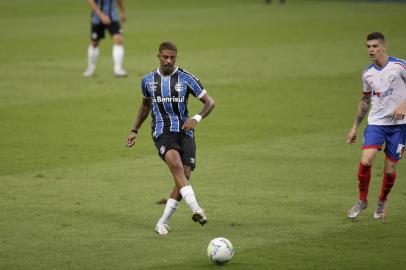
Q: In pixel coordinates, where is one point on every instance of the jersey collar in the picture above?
(380, 68)
(174, 71)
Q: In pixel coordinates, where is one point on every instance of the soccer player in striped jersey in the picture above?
(165, 94)
(104, 16)
(384, 83)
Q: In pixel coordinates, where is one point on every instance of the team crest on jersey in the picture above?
(178, 87)
(153, 86)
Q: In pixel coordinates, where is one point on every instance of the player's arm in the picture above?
(103, 17)
(142, 114)
(362, 111)
(208, 106)
(123, 16)
(400, 111)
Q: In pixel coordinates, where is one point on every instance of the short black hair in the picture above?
(167, 45)
(376, 35)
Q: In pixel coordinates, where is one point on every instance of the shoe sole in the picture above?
(198, 218)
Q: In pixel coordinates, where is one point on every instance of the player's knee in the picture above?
(95, 43)
(118, 39)
(389, 171)
(175, 164)
(390, 167)
(366, 162)
(187, 170)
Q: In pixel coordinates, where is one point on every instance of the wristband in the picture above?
(197, 117)
(135, 131)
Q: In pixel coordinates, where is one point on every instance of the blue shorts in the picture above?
(394, 138)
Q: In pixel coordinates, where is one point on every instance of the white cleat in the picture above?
(199, 216)
(120, 73)
(380, 211)
(162, 229)
(88, 73)
(356, 209)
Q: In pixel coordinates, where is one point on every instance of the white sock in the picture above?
(189, 196)
(170, 208)
(118, 57)
(92, 55)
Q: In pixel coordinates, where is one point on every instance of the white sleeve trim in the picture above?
(202, 94)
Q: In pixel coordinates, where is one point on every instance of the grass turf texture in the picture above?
(275, 174)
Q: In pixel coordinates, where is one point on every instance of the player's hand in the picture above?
(399, 113)
(105, 19)
(123, 18)
(131, 139)
(352, 136)
(190, 124)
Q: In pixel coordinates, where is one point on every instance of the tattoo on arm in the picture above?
(363, 107)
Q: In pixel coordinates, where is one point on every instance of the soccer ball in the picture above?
(220, 250)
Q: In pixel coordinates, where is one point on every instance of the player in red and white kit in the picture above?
(384, 83)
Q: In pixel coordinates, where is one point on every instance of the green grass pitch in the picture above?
(275, 174)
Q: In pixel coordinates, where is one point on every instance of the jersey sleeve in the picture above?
(402, 67)
(144, 88)
(195, 87)
(366, 87)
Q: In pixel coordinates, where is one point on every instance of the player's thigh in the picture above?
(374, 137)
(368, 156)
(97, 32)
(188, 152)
(395, 142)
(166, 142)
(174, 161)
(116, 32)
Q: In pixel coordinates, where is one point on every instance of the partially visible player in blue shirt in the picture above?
(165, 94)
(104, 16)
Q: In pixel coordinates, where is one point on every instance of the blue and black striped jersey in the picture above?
(108, 7)
(169, 97)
